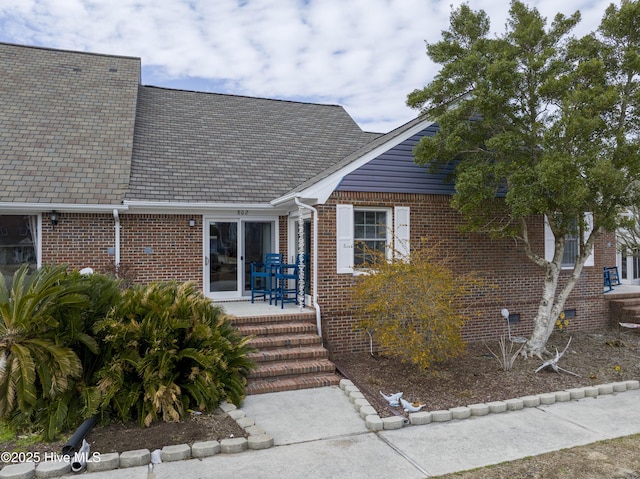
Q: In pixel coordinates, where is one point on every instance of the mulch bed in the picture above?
(476, 377)
(602, 357)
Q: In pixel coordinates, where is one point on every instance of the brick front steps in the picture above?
(625, 309)
(289, 353)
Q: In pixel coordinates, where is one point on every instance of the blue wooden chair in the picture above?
(287, 282)
(263, 281)
(611, 277)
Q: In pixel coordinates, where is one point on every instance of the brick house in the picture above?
(99, 170)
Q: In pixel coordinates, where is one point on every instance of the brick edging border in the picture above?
(375, 423)
(258, 439)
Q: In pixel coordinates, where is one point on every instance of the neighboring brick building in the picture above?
(99, 171)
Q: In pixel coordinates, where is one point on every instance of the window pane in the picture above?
(16, 245)
(370, 235)
(570, 251)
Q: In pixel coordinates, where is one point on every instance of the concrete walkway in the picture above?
(319, 434)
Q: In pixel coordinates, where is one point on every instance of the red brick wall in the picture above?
(165, 247)
(152, 247)
(517, 282)
(176, 247)
(80, 240)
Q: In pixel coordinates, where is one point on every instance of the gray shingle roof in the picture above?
(375, 142)
(66, 125)
(203, 147)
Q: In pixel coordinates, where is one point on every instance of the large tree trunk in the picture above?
(545, 319)
(551, 303)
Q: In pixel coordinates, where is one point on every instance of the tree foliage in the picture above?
(413, 309)
(543, 120)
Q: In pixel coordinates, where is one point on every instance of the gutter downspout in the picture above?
(314, 294)
(116, 218)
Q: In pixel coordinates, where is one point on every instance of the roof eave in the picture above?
(176, 207)
(27, 208)
(324, 187)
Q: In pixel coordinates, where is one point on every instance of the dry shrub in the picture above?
(414, 308)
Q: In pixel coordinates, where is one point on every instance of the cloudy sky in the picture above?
(365, 55)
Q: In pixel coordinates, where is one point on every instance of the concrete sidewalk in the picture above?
(319, 434)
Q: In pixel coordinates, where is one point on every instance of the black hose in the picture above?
(73, 444)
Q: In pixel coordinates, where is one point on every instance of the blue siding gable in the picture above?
(396, 172)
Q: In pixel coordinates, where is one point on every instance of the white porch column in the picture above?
(300, 259)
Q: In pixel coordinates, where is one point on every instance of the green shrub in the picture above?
(169, 349)
(45, 321)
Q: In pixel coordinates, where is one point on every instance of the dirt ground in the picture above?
(476, 377)
(602, 357)
(120, 437)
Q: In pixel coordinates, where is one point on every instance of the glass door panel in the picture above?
(223, 256)
(258, 240)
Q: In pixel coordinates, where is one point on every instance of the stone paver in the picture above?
(106, 462)
(26, 470)
(233, 445)
(205, 449)
(262, 441)
(462, 412)
(374, 423)
(441, 416)
(480, 409)
(179, 452)
(420, 418)
(53, 468)
(393, 422)
(139, 457)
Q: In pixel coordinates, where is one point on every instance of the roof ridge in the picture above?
(283, 100)
(64, 50)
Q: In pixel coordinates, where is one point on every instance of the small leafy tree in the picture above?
(169, 349)
(549, 122)
(414, 308)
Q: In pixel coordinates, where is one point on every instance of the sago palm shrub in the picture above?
(169, 349)
(81, 400)
(37, 364)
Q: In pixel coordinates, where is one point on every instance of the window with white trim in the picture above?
(361, 231)
(370, 235)
(571, 250)
(571, 244)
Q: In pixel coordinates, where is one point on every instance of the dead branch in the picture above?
(553, 363)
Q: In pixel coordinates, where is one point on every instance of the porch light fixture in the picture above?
(192, 222)
(53, 216)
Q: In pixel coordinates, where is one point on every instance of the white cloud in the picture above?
(364, 54)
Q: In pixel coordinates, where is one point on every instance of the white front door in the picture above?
(629, 267)
(230, 246)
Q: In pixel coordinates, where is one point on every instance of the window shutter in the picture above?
(401, 231)
(588, 219)
(344, 236)
(549, 241)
